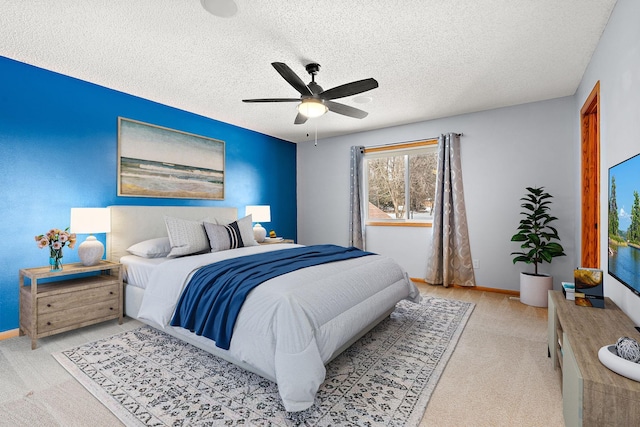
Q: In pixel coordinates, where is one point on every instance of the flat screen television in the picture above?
(624, 223)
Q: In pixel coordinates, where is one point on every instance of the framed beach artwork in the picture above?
(155, 161)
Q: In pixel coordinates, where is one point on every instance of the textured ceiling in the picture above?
(432, 58)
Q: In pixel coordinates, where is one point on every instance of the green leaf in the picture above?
(535, 190)
(521, 259)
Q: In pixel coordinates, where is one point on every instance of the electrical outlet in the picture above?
(476, 264)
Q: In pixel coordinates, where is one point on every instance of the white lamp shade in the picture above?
(90, 220)
(259, 213)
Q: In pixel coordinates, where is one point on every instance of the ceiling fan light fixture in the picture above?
(220, 8)
(312, 108)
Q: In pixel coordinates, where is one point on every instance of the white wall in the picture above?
(616, 64)
(503, 151)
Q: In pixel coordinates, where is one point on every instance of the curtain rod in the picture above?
(409, 142)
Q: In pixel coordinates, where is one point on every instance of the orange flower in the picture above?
(72, 240)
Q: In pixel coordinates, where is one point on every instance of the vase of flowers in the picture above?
(56, 239)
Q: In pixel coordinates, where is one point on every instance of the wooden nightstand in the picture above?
(69, 303)
(274, 241)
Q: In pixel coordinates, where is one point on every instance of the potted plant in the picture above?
(539, 243)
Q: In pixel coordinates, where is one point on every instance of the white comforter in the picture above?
(290, 326)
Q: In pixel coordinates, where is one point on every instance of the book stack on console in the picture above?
(569, 290)
(589, 287)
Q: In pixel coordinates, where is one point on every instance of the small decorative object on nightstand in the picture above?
(56, 239)
(62, 305)
(259, 214)
(90, 221)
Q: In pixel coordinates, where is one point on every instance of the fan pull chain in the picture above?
(316, 144)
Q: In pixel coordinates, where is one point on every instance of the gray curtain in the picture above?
(356, 221)
(450, 260)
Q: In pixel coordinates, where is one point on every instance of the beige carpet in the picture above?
(499, 374)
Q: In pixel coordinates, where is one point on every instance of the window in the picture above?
(400, 183)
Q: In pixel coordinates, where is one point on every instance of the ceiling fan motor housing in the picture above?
(312, 68)
(315, 88)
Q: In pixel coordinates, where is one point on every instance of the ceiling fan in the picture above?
(314, 101)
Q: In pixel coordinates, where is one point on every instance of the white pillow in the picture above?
(246, 229)
(152, 248)
(187, 237)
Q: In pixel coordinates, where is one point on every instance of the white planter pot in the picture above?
(534, 290)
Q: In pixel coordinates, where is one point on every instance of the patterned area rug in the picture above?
(148, 378)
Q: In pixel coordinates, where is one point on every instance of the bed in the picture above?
(289, 327)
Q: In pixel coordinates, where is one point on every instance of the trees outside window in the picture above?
(401, 181)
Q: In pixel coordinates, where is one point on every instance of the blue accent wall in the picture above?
(58, 150)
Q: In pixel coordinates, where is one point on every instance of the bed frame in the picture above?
(133, 224)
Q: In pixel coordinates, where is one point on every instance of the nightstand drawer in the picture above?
(77, 299)
(77, 317)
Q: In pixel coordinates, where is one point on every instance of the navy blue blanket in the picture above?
(211, 301)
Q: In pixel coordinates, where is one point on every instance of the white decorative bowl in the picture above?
(609, 358)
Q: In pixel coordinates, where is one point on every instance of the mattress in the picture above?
(136, 270)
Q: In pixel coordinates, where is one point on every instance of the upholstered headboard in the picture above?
(133, 224)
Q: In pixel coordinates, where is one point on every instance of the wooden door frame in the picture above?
(590, 179)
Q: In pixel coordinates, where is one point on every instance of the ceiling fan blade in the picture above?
(300, 119)
(291, 77)
(345, 110)
(272, 100)
(349, 89)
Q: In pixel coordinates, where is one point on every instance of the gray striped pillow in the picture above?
(223, 237)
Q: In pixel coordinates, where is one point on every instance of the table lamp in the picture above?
(90, 221)
(260, 213)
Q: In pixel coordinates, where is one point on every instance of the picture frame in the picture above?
(155, 161)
